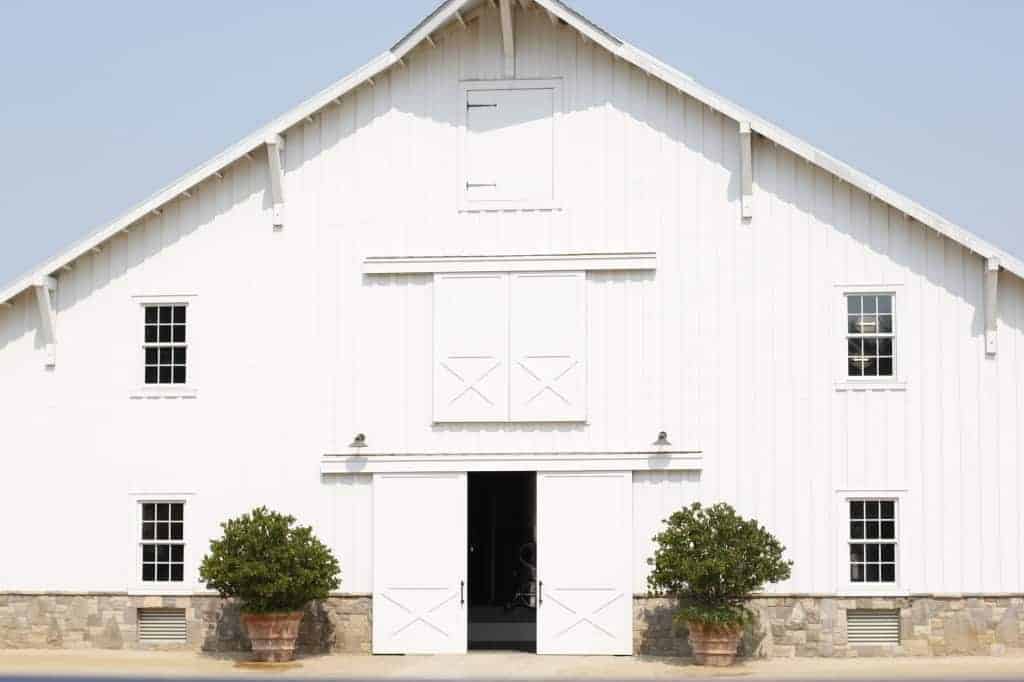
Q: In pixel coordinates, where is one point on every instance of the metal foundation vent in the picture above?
(162, 626)
(873, 626)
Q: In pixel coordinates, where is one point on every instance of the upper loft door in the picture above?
(507, 140)
(419, 563)
(584, 542)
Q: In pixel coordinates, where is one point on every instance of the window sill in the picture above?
(143, 392)
(871, 385)
(484, 205)
(889, 591)
(170, 589)
(509, 422)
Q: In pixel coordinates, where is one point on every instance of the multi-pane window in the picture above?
(872, 541)
(164, 345)
(162, 541)
(870, 335)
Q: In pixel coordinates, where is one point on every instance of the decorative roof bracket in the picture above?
(45, 289)
(275, 148)
(747, 170)
(991, 305)
(508, 38)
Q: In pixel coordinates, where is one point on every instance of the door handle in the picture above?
(462, 591)
(540, 593)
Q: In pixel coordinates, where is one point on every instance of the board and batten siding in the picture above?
(731, 345)
(656, 494)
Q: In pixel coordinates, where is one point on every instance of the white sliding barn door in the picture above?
(419, 563)
(584, 543)
(548, 336)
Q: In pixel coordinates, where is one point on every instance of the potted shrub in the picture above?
(711, 560)
(274, 568)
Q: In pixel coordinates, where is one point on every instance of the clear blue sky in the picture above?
(102, 103)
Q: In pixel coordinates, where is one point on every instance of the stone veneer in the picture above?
(108, 621)
(789, 626)
(785, 625)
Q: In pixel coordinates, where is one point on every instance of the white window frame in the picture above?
(844, 382)
(136, 585)
(558, 106)
(847, 586)
(140, 389)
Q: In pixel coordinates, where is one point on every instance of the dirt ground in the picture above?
(479, 666)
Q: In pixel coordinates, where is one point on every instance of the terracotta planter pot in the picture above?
(714, 645)
(273, 635)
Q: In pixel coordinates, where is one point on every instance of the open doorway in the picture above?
(502, 561)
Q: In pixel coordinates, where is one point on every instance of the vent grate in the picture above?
(162, 625)
(873, 626)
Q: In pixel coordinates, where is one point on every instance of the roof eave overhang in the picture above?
(437, 19)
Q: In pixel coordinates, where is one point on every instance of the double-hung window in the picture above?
(162, 542)
(165, 344)
(873, 541)
(870, 335)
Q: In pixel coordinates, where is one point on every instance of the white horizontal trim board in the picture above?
(412, 265)
(670, 460)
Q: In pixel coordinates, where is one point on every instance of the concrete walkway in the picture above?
(481, 666)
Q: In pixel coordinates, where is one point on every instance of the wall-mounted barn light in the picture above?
(662, 439)
(359, 441)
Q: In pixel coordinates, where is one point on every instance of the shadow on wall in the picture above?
(655, 633)
(337, 624)
(129, 252)
(621, 101)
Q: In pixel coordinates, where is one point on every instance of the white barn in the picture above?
(483, 313)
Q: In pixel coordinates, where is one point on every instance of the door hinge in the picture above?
(472, 185)
(480, 106)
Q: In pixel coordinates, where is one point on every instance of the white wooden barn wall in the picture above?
(730, 346)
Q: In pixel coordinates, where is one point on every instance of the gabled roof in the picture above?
(452, 10)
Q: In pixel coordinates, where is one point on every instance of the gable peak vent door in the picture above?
(509, 146)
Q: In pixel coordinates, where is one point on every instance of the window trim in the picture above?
(136, 585)
(843, 381)
(558, 109)
(847, 586)
(140, 389)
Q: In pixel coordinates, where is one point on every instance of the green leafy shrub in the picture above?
(269, 564)
(711, 559)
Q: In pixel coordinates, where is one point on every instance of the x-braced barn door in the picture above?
(419, 563)
(584, 543)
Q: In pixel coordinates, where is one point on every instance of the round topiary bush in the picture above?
(269, 564)
(711, 559)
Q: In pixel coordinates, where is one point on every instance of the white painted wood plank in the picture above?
(732, 338)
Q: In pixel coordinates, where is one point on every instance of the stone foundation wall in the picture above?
(816, 626)
(785, 625)
(108, 621)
